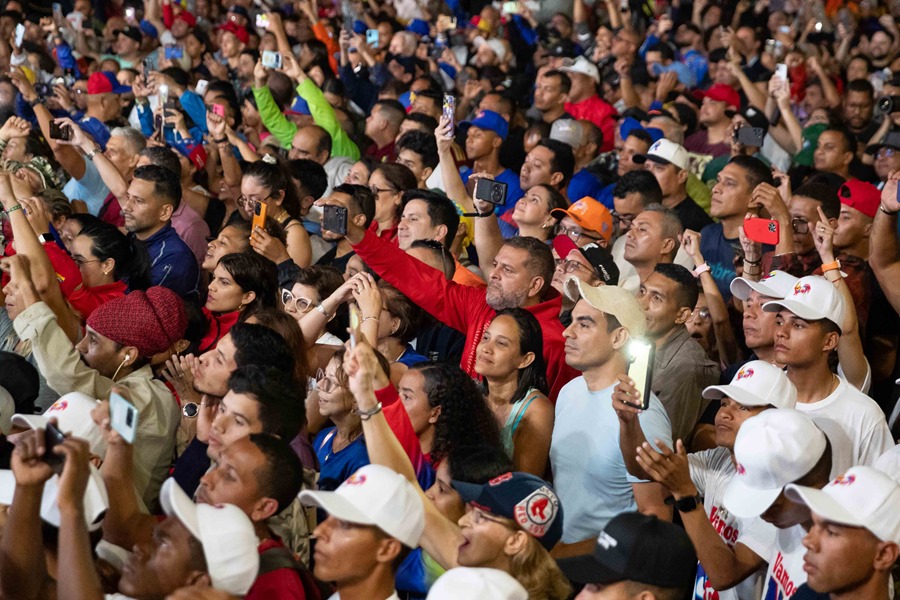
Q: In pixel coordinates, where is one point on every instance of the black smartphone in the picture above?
(60, 132)
(334, 219)
(491, 191)
(52, 438)
(146, 66)
(640, 369)
(749, 136)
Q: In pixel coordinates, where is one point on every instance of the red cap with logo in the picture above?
(863, 196)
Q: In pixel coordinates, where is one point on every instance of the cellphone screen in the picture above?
(640, 369)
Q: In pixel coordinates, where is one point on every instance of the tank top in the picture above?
(516, 413)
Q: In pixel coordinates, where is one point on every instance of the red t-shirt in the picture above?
(67, 272)
(280, 584)
(86, 300)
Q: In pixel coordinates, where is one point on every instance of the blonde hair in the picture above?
(534, 568)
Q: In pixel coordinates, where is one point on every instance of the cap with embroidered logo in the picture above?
(775, 284)
(812, 298)
(590, 215)
(665, 152)
(861, 497)
(757, 383)
(491, 121)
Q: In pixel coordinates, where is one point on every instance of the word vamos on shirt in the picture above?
(780, 584)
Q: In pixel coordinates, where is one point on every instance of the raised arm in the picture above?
(453, 184)
(883, 257)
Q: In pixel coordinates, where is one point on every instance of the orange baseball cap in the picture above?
(590, 215)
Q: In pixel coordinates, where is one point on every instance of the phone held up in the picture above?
(271, 60)
(259, 216)
(449, 109)
(763, 231)
(123, 417)
(640, 370)
(60, 131)
(488, 190)
(334, 219)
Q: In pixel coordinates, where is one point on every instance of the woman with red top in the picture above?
(388, 182)
(110, 264)
(241, 284)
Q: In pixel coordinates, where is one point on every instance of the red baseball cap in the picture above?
(105, 82)
(237, 30)
(721, 92)
(863, 196)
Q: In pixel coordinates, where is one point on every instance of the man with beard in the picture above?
(519, 277)
(859, 110)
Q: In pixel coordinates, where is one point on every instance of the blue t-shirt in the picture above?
(410, 357)
(606, 197)
(719, 251)
(584, 183)
(589, 472)
(90, 188)
(172, 264)
(513, 191)
(336, 467)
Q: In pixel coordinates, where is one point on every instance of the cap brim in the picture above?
(746, 502)
(800, 309)
(467, 491)
(822, 504)
(587, 569)
(336, 505)
(30, 421)
(741, 288)
(178, 504)
(738, 394)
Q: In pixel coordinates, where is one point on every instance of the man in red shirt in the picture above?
(584, 103)
(520, 277)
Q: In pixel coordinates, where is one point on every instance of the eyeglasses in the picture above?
(479, 516)
(301, 304)
(885, 153)
(800, 225)
(80, 262)
(575, 234)
(626, 218)
(572, 266)
(703, 313)
(250, 202)
(326, 383)
(377, 190)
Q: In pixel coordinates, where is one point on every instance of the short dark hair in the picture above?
(432, 94)
(429, 122)
(178, 75)
(540, 261)
(423, 144)
(563, 159)
(165, 187)
(861, 85)
(664, 49)
(362, 200)
(258, 345)
(440, 208)
(325, 279)
(824, 194)
(843, 132)
(640, 134)
(395, 111)
(565, 83)
(282, 476)
(276, 392)
(281, 87)
(311, 175)
(325, 143)
(755, 170)
(407, 312)
(165, 157)
(688, 291)
(641, 181)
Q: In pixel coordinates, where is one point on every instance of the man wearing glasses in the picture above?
(887, 156)
(585, 222)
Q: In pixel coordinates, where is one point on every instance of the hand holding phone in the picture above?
(372, 38)
(52, 438)
(763, 231)
(271, 60)
(334, 219)
(640, 370)
(60, 131)
(449, 110)
(123, 417)
(259, 215)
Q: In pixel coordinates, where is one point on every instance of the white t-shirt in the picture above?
(785, 572)
(337, 596)
(854, 424)
(589, 472)
(711, 471)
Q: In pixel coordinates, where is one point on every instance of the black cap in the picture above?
(239, 10)
(562, 49)
(131, 32)
(891, 140)
(640, 548)
(601, 260)
(756, 118)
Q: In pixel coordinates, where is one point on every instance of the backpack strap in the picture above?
(279, 557)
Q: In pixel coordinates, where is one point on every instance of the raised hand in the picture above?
(668, 468)
(27, 462)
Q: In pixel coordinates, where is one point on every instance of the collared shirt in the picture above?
(172, 264)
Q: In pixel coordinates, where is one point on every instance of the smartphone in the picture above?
(510, 8)
(372, 37)
(123, 417)
(764, 231)
(129, 15)
(20, 35)
(174, 52)
(452, 22)
(334, 219)
(271, 60)
(259, 216)
(201, 87)
(355, 324)
(781, 71)
(640, 369)
(53, 437)
(60, 131)
(146, 67)
(163, 94)
(450, 109)
(262, 21)
(749, 136)
(57, 9)
(488, 190)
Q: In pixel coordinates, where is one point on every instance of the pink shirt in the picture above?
(192, 229)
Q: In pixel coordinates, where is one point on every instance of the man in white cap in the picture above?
(772, 450)
(852, 545)
(668, 162)
(698, 480)
(589, 472)
(374, 519)
(475, 582)
(585, 103)
(807, 330)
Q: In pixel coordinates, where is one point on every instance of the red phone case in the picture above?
(764, 231)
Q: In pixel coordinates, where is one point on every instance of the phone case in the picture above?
(764, 231)
(259, 215)
(123, 417)
(640, 369)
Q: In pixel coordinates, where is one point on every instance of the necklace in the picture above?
(337, 446)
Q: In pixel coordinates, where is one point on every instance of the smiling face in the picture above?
(499, 353)
(415, 224)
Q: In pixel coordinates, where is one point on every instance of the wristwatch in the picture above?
(45, 237)
(94, 152)
(686, 504)
(190, 410)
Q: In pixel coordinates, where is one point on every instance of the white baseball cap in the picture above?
(96, 500)
(757, 383)
(611, 300)
(375, 495)
(666, 152)
(772, 449)
(889, 462)
(73, 415)
(226, 533)
(584, 67)
(481, 583)
(812, 298)
(567, 131)
(861, 497)
(776, 284)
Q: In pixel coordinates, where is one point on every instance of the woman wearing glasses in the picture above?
(388, 182)
(241, 284)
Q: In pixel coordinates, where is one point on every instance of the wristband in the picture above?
(365, 415)
(321, 308)
(13, 209)
(886, 211)
(700, 270)
(752, 262)
(33, 103)
(832, 266)
(368, 318)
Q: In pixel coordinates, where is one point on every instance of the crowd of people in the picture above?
(449, 299)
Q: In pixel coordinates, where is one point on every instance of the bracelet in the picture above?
(13, 209)
(321, 308)
(832, 266)
(752, 262)
(700, 270)
(886, 211)
(365, 415)
(367, 318)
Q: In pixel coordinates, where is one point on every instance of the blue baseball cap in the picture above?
(300, 107)
(419, 27)
(630, 124)
(491, 121)
(525, 498)
(359, 27)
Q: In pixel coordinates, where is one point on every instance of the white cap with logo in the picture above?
(772, 449)
(812, 298)
(567, 131)
(226, 533)
(666, 152)
(96, 499)
(375, 495)
(481, 583)
(73, 415)
(776, 284)
(585, 67)
(861, 497)
(757, 383)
